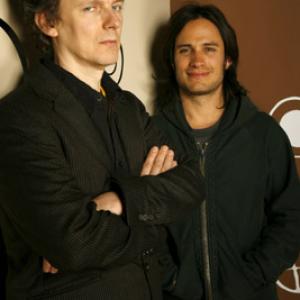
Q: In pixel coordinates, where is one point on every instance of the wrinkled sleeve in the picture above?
(43, 203)
(167, 197)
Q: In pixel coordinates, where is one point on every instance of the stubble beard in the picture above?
(204, 91)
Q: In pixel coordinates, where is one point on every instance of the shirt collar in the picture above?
(87, 96)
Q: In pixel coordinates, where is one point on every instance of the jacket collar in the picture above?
(68, 109)
(238, 111)
(126, 119)
(51, 90)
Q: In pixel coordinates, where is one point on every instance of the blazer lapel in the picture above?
(130, 133)
(70, 113)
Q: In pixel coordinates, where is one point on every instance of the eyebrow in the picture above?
(183, 45)
(97, 1)
(214, 44)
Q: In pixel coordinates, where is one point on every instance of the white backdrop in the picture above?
(10, 68)
(141, 19)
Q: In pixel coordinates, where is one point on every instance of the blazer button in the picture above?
(148, 252)
(146, 217)
(143, 217)
(150, 217)
(147, 267)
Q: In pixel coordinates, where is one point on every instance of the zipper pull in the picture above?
(202, 147)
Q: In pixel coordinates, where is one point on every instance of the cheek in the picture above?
(121, 22)
(86, 27)
(181, 63)
(217, 63)
(73, 32)
(180, 75)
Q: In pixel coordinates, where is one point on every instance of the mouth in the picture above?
(109, 42)
(198, 74)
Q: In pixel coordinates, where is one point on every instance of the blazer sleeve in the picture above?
(167, 197)
(279, 243)
(45, 208)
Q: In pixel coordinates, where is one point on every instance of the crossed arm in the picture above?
(158, 160)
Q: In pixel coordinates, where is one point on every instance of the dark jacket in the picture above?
(251, 211)
(52, 163)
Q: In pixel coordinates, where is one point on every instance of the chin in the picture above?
(110, 63)
(111, 60)
(104, 62)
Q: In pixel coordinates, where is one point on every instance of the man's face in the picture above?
(199, 58)
(87, 32)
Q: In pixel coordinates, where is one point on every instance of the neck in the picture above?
(89, 74)
(202, 111)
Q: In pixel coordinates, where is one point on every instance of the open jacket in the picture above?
(53, 162)
(247, 232)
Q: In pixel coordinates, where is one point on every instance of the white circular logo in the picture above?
(287, 113)
(296, 286)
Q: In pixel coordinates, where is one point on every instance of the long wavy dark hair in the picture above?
(166, 84)
(50, 8)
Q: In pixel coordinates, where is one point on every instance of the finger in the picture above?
(167, 164)
(46, 266)
(53, 270)
(148, 164)
(174, 164)
(159, 160)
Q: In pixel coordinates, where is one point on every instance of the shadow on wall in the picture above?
(161, 90)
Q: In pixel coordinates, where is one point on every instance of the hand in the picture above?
(159, 160)
(48, 268)
(109, 201)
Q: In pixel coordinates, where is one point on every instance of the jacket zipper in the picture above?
(202, 147)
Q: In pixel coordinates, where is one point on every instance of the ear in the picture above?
(228, 63)
(43, 23)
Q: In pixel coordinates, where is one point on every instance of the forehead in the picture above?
(199, 30)
(74, 3)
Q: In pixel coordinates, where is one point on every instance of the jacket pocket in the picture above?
(234, 281)
(127, 282)
(57, 285)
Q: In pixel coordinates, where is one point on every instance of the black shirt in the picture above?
(99, 108)
(204, 135)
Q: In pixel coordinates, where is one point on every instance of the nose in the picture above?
(197, 58)
(111, 19)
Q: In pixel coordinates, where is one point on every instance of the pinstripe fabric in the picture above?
(52, 163)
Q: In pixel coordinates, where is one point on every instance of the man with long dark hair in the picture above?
(246, 232)
(81, 201)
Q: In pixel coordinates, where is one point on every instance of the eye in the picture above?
(89, 8)
(210, 49)
(118, 6)
(184, 50)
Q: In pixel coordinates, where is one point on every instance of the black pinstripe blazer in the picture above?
(52, 163)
